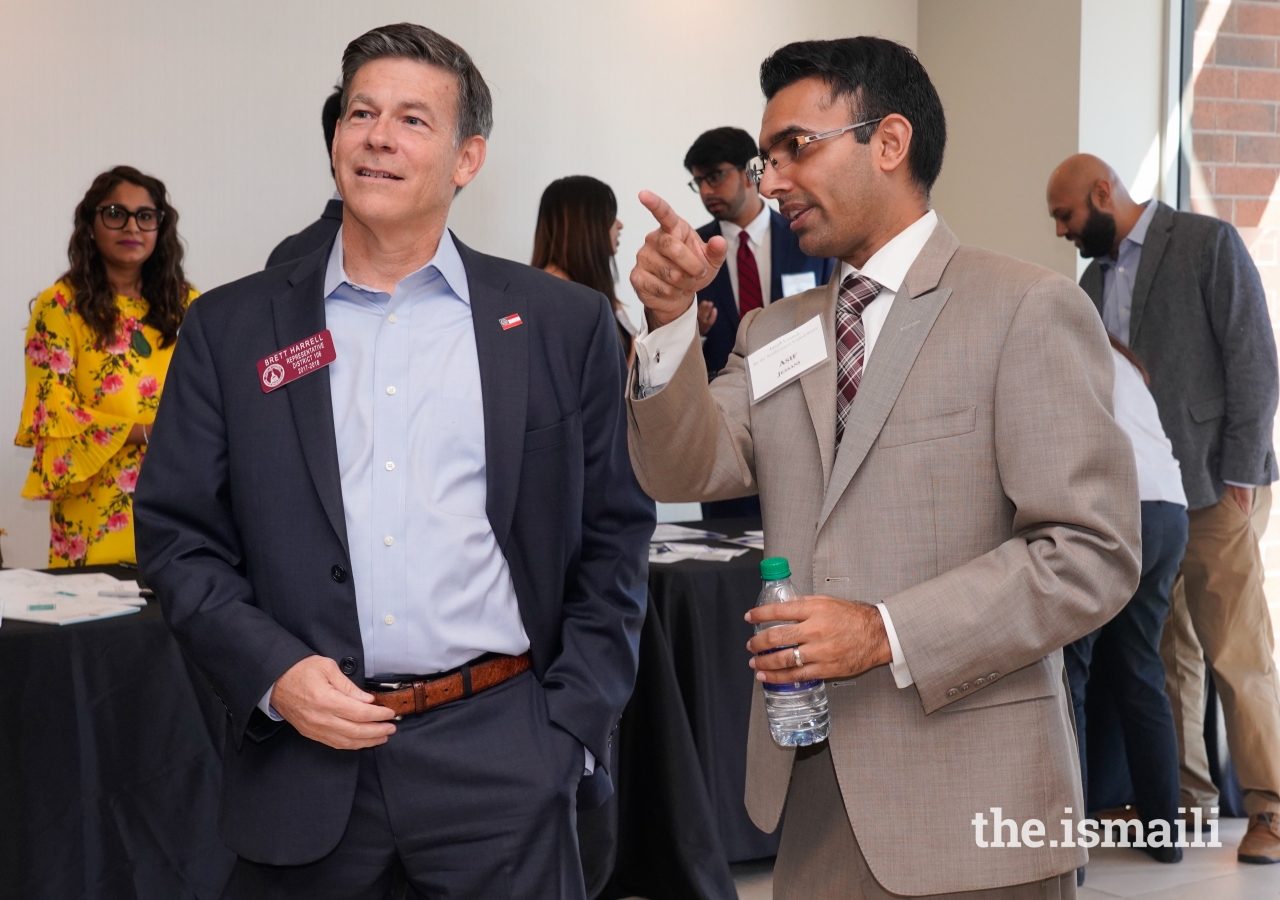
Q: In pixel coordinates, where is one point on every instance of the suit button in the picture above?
(339, 574)
(980, 682)
(965, 686)
(993, 676)
(952, 692)
(348, 665)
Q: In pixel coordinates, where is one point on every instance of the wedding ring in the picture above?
(795, 654)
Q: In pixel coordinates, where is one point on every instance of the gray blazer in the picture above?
(1200, 325)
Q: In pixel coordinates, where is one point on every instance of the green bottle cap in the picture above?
(775, 568)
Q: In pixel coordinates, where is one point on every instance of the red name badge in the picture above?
(293, 362)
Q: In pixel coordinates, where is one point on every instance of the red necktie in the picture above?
(749, 297)
(856, 292)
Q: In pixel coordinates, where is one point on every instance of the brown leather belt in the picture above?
(411, 698)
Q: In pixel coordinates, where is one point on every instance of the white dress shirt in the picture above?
(758, 239)
(659, 353)
(1159, 476)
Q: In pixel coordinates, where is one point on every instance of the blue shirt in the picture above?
(1118, 276)
(433, 589)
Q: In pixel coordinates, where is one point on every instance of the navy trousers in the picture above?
(1127, 650)
(472, 799)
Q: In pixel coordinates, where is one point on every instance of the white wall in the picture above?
(1008, 74)
(222, 101)
(1122, 91)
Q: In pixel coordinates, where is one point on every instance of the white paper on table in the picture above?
(750, 540)
(700, 552)
(668, 532)
(758, 534)
(65, 611)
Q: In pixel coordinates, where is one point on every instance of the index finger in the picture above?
(668, 221)
(791, 611)
(353, 710)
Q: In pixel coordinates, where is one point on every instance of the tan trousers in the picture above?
(819, 858)
(1219, 612)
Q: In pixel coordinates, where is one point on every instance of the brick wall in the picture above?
(1234, 113)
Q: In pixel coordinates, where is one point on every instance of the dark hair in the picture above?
(421, 44)
(721, 145)
(330, 113)
(164, 287)
(1132, 357)
(880, 77)
(574, 219)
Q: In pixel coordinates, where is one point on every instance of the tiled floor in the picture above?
(1203, 874)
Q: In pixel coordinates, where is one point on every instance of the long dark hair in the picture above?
(164, 287)
(574, 219)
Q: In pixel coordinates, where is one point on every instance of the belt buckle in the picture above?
(391, 686)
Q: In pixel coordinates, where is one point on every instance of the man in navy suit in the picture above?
(764, 264)
(389, 512)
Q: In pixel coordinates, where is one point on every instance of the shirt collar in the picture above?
(447, 262)
(755, 229)
(889, 265)
(1138, 233)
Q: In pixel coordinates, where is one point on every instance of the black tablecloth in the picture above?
(683, 737)
(108, 775)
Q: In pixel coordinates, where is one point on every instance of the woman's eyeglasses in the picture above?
(117, 217)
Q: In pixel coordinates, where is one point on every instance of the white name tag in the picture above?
(784, 359)
(798, 282)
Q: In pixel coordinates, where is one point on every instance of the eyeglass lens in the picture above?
(711, 179)
(116, 217)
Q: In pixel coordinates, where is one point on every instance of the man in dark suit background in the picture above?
(1181, 292)
(765, 262)
(320, 232)
(415, 576)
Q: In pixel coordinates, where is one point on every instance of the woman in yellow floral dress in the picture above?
(97, 351)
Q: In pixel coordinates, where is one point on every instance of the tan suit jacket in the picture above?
(984, 492)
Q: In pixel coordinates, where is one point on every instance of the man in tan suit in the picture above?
(948, 484)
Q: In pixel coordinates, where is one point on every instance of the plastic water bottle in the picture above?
(798, 713)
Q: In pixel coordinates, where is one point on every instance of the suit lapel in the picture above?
(1153, 247)
(298, 314)
(504, 385)
(915, 308)
(819, 383)
(1091, 284)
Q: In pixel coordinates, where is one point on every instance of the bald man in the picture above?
(1181, 292)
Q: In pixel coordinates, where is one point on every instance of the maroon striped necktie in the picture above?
(749, 296)
(856, 292)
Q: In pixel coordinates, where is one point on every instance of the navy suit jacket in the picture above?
(241, 530)
(316, 235)
(787, 259)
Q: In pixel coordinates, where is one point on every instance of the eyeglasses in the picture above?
(791, 147)
(117, 217)
(711, 179)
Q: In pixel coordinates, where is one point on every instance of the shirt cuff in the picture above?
(265, 705)
(660, 352)
(588, 763)
(1238, 484)
(901, 674)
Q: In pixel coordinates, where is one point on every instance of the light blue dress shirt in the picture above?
(1118, 277)
(433, 589)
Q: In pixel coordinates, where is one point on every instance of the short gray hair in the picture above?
(421, 44)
